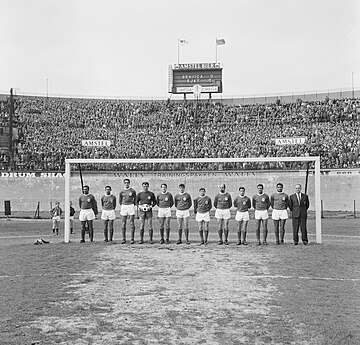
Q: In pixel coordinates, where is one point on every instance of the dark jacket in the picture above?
(299, 210)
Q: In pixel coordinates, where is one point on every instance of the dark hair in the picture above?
(86, 186)
(202, 188)
(260, 185)
(145, 184)
(280, 184)
(164, 184)
(181, 185)
(241, 188)
(126, 180)
(106, 187)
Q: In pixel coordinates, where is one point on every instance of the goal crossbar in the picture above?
(69, 161)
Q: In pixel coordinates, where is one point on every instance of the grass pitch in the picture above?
(101, 293)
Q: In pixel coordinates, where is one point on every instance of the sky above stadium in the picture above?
(118, 48)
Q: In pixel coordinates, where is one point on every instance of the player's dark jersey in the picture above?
(279, 201)
(261, 202)
(87, 202)
(108, 202)
(127, 197)
(165, 200)
(183, 201)
(202, 204)
(143, 198)
(242, 203)
(222, 201)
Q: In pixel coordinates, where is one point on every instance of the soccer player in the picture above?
(127, 210)
(146, 200)
(108, 203)
(223, 203)
(88, 212)
(279, 201)
(261, 204)
(299, 204)
(202, 207)
(72, 216)
(165, 201)
(183, 203)
(56, 215)
(242, 203)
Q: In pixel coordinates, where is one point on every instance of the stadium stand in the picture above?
(51, 129)
(4, 134)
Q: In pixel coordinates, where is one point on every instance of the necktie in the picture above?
(298, 196)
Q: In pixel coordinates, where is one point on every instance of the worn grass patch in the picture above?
(97, 293)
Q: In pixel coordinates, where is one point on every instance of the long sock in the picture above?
(265, 233)
(151, 232)
(187, 235)
(206, 235)
(167, 235)
(106, 234)
(220, 234)
(123, 232)
(282, 229)
(91, 233)
(239, 236)
(162, 234)
(276, 230)
(142, 235)
(201, 233)
(180, 234)
(83, 234)
(257, 230)
(226, 232)
(244, 232)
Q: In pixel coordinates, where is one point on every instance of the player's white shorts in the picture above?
(86, 215)
(108, 215)
(127, 210)
(279, 214)
(261, 214)
(182, 213)
(242, 216)
(164, 212)
(71, 217)
(56, 218)
(202, 217)
(222, 214)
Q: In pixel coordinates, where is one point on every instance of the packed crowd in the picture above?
(51, 129)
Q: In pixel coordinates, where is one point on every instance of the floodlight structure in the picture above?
(315, 159)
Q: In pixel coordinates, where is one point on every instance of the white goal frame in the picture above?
(69, 161)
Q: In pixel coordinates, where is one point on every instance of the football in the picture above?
(145, 207)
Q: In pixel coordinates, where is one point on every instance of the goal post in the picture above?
(315, 159)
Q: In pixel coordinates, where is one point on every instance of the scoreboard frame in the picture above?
(195, 78)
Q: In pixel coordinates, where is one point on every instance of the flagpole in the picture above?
(216, 50)
(178, 41)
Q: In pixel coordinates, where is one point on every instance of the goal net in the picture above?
(196, 173)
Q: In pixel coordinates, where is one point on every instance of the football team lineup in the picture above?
(141, 205)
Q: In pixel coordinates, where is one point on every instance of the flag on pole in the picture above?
(220, 41)
(183, 41)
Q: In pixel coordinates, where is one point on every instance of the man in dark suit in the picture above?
(299, 204)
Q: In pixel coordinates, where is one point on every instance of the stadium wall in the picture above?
(306, 96)
(339, 188)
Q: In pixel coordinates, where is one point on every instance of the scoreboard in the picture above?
(195, 78)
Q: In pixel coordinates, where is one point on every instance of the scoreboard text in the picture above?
(195, 77)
